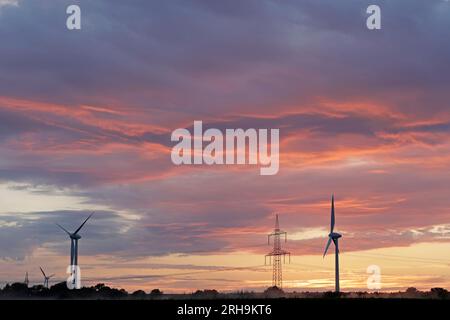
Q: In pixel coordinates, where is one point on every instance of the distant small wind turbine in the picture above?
(334, 236)
(46, 278)
(74, 237)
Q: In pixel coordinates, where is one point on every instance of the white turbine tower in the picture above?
(334, 237)
(74, 237)
(46, 278)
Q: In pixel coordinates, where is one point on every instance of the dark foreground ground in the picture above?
(281, 308)
(100, 300)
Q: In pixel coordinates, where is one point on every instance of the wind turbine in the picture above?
(334, 237)
(46, 278)
(74, 237)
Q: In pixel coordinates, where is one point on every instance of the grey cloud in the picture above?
(182, 55)
(21, 233)
(213, 58)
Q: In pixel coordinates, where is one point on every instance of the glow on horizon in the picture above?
(422, 266)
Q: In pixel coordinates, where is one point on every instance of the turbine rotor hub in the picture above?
(334, 235)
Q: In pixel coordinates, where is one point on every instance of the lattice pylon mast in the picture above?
(276, 254)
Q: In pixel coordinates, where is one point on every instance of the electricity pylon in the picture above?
(277, 253)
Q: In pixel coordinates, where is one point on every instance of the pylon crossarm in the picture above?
(277, 233)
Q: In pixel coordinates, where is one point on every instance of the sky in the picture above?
(86, 118)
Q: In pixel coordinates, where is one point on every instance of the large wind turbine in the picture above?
(74, 237)
(334, 236)
(46, 278)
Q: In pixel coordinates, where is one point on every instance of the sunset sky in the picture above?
(86, 118)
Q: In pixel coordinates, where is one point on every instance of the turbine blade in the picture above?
(326, 248)
(42, 271)
(79, 228)
(332, 214)
(63, 229)
(50, 276)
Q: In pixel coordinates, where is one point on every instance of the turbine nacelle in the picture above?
(335, 235)
(75, 236)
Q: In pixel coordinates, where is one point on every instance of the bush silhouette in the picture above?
(16, 289)
(139, 294)
(274, 292)
(206, 294)
(156, 292)
(101, 291)
(439, 293)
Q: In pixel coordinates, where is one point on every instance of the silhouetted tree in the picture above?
(139, 294)
(206, 294)
(99, 286)
(439, 292)
(412, 292)
(156, 292)
(17, 289)
(274, 292)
